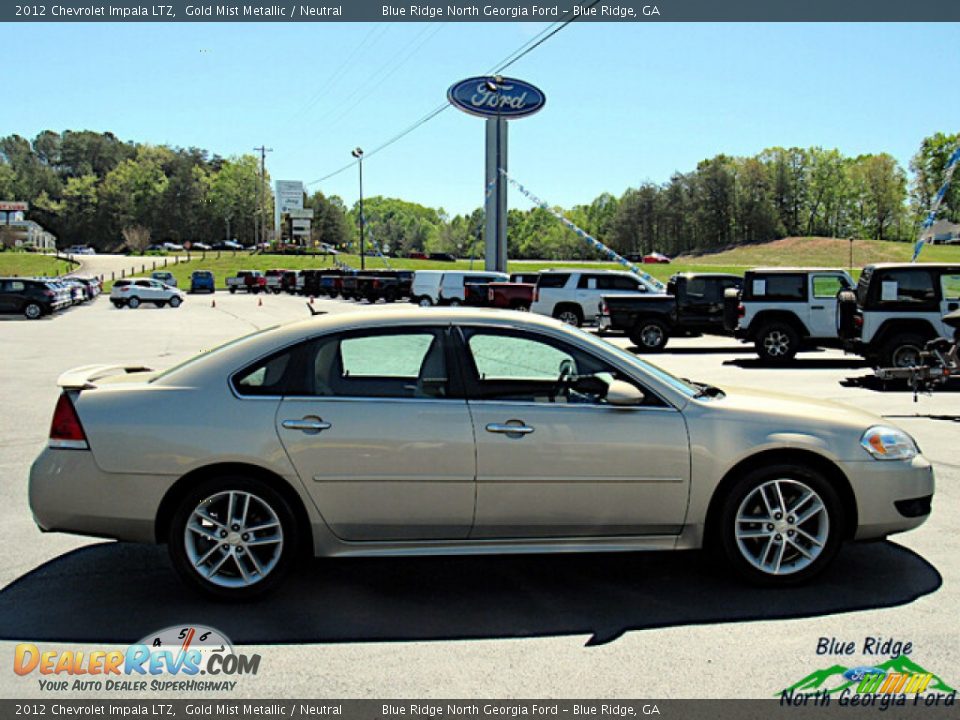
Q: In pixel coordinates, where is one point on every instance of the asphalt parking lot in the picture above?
(647, 625)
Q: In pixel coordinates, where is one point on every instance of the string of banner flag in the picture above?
(937, 201)
(582, 234)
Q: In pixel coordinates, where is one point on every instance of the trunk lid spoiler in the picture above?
(86, 377)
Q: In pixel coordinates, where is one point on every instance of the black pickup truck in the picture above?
(386, 285)
(692, 305)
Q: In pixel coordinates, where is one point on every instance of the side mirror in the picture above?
(623, 394)
(590, 385)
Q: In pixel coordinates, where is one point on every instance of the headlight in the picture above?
(887, 443)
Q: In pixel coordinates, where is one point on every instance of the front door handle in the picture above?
(818, 307)
(307, 424)
(508, 429)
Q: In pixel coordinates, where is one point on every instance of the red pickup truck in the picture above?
(514, 295)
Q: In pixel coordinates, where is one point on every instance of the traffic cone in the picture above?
(259, 302)
(311, 299)
(213, 302)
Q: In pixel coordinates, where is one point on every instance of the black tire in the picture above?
(233, 290)
(777, 342)
(118, 304)
(133, 303)
(650, 335)
(389, 296)
(846, 314)
(207, 491)
(32, 311)
(731, 309)
(570, 314)
(902, 350)
(160, 303)
(793, 478)
(454, 302)
(424, 301)
(175, 302)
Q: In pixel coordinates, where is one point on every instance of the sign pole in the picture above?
(492, 203)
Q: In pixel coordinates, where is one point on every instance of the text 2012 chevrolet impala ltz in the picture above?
(431, 431)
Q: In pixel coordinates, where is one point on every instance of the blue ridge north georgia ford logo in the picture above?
(504, 97)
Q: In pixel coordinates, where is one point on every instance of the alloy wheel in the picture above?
(233, 539)
(906, 356)
(776, 343)
(652, 335)
(782, 527)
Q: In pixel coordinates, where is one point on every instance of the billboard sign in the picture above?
(289, 195)
(14, 206)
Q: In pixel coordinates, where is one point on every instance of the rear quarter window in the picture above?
(903, 289)
(777, 287)
(553, 280)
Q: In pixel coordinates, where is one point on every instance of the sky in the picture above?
(626, 103)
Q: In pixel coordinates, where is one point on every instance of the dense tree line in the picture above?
(89, 187)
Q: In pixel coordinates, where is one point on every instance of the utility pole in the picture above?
(259, 230)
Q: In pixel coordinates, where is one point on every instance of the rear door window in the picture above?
(779, 287)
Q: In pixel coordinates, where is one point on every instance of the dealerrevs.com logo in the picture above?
(181, 658)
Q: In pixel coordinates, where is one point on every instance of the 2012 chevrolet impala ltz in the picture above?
(429, 431)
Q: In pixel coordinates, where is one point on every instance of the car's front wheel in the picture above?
(175, 302)
(780, 525)
(233, 537)
(133, 303)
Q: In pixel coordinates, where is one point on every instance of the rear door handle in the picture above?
(307, 425)
(507, 429)
(818, 307)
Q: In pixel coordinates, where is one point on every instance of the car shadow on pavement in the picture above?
(872, 382)
(118, 593)
(692, 351)
(800, 364)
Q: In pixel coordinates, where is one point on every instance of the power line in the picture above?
(509, 60)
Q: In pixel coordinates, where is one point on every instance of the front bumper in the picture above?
(70, 493)
(891, 495)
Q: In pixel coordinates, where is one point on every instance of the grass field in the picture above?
(24, 264)
(823, 252)
(802, 252)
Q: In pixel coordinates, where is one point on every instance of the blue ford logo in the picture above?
(501, 97)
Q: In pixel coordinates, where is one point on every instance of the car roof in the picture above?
(708, 275)
(772, 270)
(907, 265)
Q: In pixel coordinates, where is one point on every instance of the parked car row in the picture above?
(35, 297)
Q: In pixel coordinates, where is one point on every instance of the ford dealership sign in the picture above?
(510, 99)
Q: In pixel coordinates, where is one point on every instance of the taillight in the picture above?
(741, 310)
(66, 430)
(604, 310)
(536, 294)
(49, 293)
(489, 295)
(858, 321)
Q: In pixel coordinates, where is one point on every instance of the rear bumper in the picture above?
(891, 496)
(69, 493)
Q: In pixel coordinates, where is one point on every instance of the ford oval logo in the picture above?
(511, 99)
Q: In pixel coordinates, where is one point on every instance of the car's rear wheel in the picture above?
(233, 290)
(569, 314)
(454, 302)
(117, 304)
(902, 351)
(780, 525)
(424, 301)
(133, 303)
(175, 302)
(650, 335)
(777, 343)
(233, 537)
(32, 311)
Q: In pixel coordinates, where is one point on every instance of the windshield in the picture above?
(208, 353)
(682, 386)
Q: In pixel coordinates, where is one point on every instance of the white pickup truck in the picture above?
(574, 296)
(252, 281)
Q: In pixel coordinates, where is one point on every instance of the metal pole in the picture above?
(362, 223)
